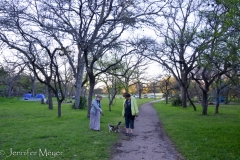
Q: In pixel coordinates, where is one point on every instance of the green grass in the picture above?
(30, 128)
(198, 137)
(31, 131)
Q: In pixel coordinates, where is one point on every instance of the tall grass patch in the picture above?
(198, 137)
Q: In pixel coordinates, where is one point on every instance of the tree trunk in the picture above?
(140, 89)
(65, 89)
(50, 104)
(217, 101)
(92, 84)
(11, 84)
(13, 80)
(33, 80)
(9, 91)
(204, 103)
(71, 93)
(166, 92)
(217, 107)
(79, 85)
(109, 101)
(59, 108)
(184, 97)
(226, 97)
(112, 90)
(191, 102)
(112, 99)
(167, 97)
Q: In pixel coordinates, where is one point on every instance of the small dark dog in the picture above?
(113, 128)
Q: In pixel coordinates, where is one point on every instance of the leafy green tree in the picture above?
(24, 82)
(3, 75)
(222, 52)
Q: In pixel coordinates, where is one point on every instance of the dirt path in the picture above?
(149, 141)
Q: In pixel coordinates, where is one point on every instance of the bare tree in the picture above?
(116, 67)
(36, 50)
(131, 71)
(114, 17)
(112, 86)
(165, 86)
(92, 27)
(125, 72)
(153, 86)
(180, 45)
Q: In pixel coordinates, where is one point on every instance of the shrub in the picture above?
(177, 101)
(83, 103)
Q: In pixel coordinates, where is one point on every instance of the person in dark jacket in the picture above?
(129, 112)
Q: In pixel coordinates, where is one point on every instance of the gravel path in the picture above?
(149, 142)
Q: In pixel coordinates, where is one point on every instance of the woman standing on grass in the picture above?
(95, 114)
(130, 110)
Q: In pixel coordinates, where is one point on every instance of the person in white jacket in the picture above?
(95, 114)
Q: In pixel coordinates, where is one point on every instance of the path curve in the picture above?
(149, 141)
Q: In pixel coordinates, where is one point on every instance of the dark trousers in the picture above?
(129, 121)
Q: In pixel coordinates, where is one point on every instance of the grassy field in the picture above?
(211, 137)
(28, 130)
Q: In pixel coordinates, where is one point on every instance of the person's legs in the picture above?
(127, 125)
(127, 130)
(92, 121)
(131, 122)
(95, 121)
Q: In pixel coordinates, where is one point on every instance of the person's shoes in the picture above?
(127, 134)
(130, 135)
(95, 130)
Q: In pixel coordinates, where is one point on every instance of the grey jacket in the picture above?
(95, 107)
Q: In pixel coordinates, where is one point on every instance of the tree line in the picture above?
(82, 41)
